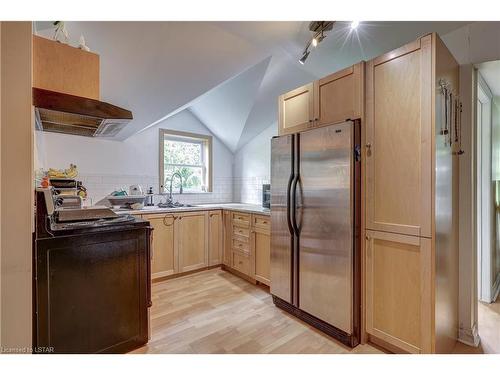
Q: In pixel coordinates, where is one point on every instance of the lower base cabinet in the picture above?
(164, 261)
(261, 243)
(215, 238)
(192, 233)
(398, 290)
(188, 241)
(226, 257)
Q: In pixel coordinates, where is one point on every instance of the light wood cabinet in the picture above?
(62, 68)
(296, 109)
(215, 238)
(339, 96)
(411, 200)
(164, 260)
(192, 247)
(261, 245)
(398, 140)
(398, 290)
(330, 100)
(228, 228)
(188, 241)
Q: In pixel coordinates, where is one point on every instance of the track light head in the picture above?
(303, 59)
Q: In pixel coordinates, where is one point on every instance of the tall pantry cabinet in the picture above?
(411, 234)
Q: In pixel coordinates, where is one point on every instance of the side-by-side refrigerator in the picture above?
(315, 228)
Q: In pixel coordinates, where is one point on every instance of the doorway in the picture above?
(487, 165)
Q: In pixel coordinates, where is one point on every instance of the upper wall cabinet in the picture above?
(330, 100)
(62, 68)
(296, 109)
(339, 97)
(398, 140)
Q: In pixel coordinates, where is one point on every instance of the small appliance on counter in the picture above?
(266, 195)
(149, 197)
(91, 277)
(135, 190)
(64, 186)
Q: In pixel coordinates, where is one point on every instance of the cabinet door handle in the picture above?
(165, 220)
(368, 146)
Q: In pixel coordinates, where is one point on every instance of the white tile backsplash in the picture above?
(249, 189)
(99, 186)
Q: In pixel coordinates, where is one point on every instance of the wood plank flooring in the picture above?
(488, 329)
(216, 312)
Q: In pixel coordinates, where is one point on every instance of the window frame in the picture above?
(206, 143)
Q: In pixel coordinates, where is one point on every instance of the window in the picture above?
(188, 154)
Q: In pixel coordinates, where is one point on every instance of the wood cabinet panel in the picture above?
(398, 290)
(241, 232)
(192, 233)
(164, 260)
(62, 68)
(296, 109)
(339, 96)
(399, 142)
(242, 262)
(215, 239)
(261, 243)
(260, 221)
(241, 246)
(228, 229)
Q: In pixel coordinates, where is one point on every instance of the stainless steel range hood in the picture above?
(69, 114)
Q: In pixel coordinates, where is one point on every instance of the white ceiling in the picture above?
(228, 74)
(224, 109)
(491, 73)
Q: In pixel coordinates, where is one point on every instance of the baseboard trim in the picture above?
(469, 336)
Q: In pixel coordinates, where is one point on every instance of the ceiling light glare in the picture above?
(314, 42)
(354, 25)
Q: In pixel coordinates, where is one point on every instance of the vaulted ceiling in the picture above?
(228, 74)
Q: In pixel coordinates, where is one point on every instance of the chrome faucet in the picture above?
(170, 200)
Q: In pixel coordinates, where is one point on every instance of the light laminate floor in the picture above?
(216, 312)
(488, 329)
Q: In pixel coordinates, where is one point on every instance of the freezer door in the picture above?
(325, 219)
(281, 231)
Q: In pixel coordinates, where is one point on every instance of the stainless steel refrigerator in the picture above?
(315, 228)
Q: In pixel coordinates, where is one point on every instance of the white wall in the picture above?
(252, 167)
(105, 165)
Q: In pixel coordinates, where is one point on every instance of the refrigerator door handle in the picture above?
(298, 205)
(294, 204)
(288, 210)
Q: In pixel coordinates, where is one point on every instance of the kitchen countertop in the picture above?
(251, 208)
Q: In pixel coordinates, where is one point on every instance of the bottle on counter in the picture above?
(149, 197)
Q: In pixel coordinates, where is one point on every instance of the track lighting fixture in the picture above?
(318, 28)
(303, 59)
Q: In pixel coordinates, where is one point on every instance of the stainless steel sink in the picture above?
(174, 205)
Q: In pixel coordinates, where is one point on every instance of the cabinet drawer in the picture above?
(241, 231)
(263, 222)
(241, 246)
(241, 219)
(241, 262)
